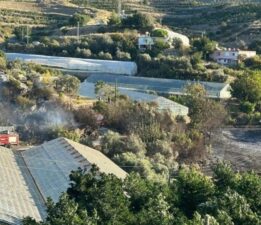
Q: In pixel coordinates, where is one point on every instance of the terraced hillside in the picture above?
(227, 21)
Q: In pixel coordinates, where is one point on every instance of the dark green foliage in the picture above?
(248, 87)
(159, 33)
(256, 46)
(139, 21)
(253, 63)
(247, 107)
(173, 67)
(194, 188)
(204, 45)
(114, 19)
(104, 196)
(82, 19)
(22, 32)
(67, 84)
(191, 198)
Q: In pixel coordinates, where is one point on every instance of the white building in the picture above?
(145, 41)
(231, 56)
(3, 77)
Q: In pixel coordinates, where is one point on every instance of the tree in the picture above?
(114, 19)
(224, 176)
(160, 33)
(248, 87)
(139, 21)
(68, 84)
(101, 194)
(193, 188)
(65, 212)
(105, 92)
(82, 19)
(22, 32)
(253, 63)
(235, 205)
(206, 114)
(3, 61)
(204, 45)
(96, 198)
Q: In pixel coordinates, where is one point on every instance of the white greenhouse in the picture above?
(78, 64)
(87, 89)
(29, 177)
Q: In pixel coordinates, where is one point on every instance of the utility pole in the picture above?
(78, 31)
(27, 34)
(115, 91)
(119, 7)
(22, 33)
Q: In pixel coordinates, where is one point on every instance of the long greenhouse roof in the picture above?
(144, 84)
(29, 177)
(19, 195)
(87, 89)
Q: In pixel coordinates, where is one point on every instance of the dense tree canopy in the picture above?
(190, 198)
(248, 87)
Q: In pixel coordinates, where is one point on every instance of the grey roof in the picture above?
(167, 86)
(52, 162)
(88, 90)
(19, 196)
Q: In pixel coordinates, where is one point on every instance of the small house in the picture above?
(230, 56)
(145, 41)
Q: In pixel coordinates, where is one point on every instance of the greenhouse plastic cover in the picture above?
(52, 162)
(166, 86)
(29, 177)
(18, 193)
(88, 90)
(78, 64)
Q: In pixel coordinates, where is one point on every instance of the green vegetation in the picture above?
(139, 21)
(159, 33)
(79, 18)
(190, 198)
(151, 142)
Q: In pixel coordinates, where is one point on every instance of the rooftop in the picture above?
(52, 162)
(87, 89)
(77, 64)
(18, 193)
(31, 176)
(165, 86)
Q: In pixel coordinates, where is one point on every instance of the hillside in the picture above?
(229, 22)
(43, 17)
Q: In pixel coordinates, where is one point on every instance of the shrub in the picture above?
(159, 33)
(247, 107)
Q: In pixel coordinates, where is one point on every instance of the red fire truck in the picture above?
(8, 136)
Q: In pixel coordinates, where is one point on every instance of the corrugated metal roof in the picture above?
(146, 84)
(19, 196)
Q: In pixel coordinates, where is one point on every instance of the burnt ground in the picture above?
(240, 146)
